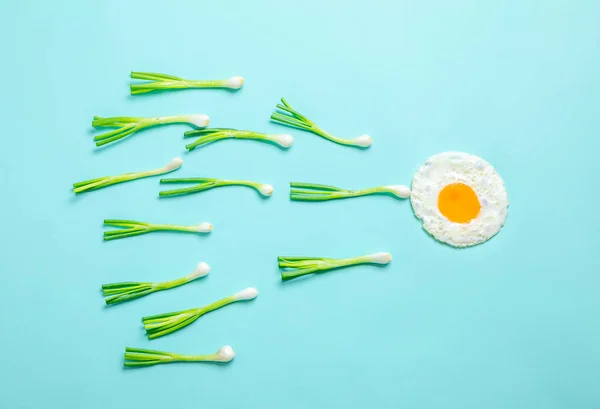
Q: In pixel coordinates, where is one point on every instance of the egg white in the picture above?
(458, 167)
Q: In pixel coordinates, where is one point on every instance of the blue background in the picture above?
(512, 323)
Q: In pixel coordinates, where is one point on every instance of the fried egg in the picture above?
(459, 198)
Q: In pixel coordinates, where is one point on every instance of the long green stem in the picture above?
(129, 228)
(99, 183)
(161, 82)
(203, 184)
(208, 136)
(128, 125)
(126, 291)
(137, 357)
(312, 192)
(164, 324)
(288, 116)
(293, 267)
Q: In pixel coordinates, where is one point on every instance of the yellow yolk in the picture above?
(458, 203)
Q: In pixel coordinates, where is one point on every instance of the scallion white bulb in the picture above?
(246, 294)
(266, 190)
(363, 141)
(236, 82)
(199, 120)
(283, 140)
(201, 270)
(399, 190)
(204, 227)
(225, 354)
(379, 258)
(175, 163)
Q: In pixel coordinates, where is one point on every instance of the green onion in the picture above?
(203, 184)
(128, 125)
(298, 266)
(217, 134)
(99, 183)
(290, 117)
(146, 357)
(161, 82)
(129, 228)
(163, 324)
(313, 192)
(120, 292)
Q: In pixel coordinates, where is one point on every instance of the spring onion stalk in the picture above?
(163, 324)
(136, 357)
(99, 183)
(161, 82)
(120, 292)
(128, 125)
(203, 184)
(298, 266)
(207, 136)
(313, 192)
(129, 228)
(290, 117)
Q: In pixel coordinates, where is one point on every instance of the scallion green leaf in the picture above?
(162, 82)
(126, 291)
(164, 324)
(207, 136)
(288, 116)
(203, 184)
(128, 125)
(315, 193)
(293, 267)
(129, 228)
(99, 183)
(137, 357)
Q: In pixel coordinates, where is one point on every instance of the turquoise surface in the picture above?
(512, 323)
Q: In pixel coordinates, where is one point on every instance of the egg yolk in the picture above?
(459, 203)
